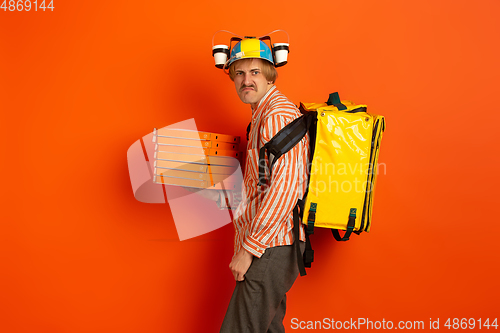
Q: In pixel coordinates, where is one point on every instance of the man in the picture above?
(264, 264)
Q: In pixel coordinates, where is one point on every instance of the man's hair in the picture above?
(268, 70)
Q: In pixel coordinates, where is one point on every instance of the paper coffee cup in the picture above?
(280, 53)
(220, 53)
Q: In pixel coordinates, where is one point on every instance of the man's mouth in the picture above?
(247, 88)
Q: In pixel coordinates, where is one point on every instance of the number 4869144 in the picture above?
(470, 323)
(26, 5)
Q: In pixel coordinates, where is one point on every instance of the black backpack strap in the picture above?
(283, 141)
(309, 253)
(296, 242)
(305, 260)
(350, 227)
(248, 129)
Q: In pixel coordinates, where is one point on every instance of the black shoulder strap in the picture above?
(283, 141)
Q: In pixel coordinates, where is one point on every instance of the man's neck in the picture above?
(254, 106)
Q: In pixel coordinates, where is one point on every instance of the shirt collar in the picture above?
(261, 102)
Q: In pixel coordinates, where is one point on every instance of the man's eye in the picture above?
(255, 72)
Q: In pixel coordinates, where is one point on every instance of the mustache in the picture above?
(250, 86)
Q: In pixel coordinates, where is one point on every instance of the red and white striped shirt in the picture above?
(264, 217)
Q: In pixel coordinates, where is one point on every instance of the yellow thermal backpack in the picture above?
(344, 144)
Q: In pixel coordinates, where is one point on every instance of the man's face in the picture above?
(250, 83)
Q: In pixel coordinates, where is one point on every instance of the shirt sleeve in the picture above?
(281, 193)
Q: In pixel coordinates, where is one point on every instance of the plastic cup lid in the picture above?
(220, 47)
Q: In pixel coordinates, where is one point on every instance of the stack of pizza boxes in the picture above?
(196, 159)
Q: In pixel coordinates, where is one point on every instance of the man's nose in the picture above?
(247, 80)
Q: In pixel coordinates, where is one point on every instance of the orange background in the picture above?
(79, 85)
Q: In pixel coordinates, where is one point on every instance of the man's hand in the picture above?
(240, 264)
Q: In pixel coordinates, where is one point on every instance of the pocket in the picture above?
(257, 270)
